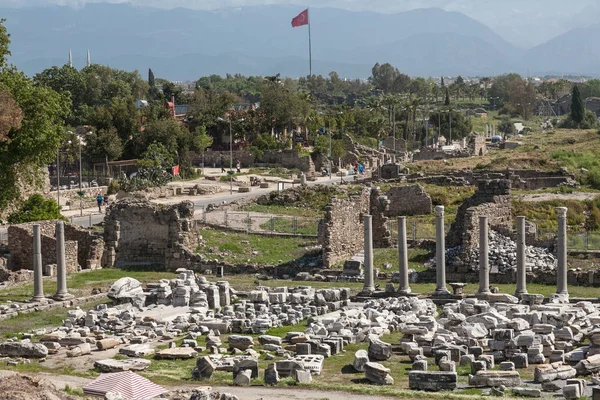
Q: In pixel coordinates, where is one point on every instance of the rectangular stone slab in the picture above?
(432, 380)
(495, 378)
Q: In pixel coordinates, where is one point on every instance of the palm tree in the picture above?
(413, 105)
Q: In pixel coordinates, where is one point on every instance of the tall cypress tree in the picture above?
(150, 77)
(577, 107)
(443, 84)
(447, 101)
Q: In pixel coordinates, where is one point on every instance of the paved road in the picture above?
(200, 202)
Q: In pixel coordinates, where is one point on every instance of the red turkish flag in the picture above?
(300, 19)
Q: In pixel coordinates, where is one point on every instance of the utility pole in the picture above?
(58, 177)
(330, 155)
(230, 160)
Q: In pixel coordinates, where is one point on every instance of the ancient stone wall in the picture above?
(408, 200)
(379, 206)
(81, 247)
(285, 158)
(492, 199)
(342, 231)
(476, 145)
(290, 159)
(139, 232)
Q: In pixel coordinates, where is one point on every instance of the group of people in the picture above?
(359, 168)
(238, 165)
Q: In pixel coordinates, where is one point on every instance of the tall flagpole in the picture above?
(309, 44)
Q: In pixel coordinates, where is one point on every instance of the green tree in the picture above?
(384, 76)
(31, 143)
(151, 81)
(103, 144)
(507, 127)
(577, 107)
(447, 100)
(156, 156)
(201, 141)
(4, 44)
(36, 208)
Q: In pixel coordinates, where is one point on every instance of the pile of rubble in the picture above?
(476, 334)
(502, 256)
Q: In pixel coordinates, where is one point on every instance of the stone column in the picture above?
(440, 252)
(38, 282)
(561, 270)
(403, 257)
(369, 286)
(484, 264)
(521, 267)
(61, 264)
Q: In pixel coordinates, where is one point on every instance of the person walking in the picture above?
(238, 165)
(99, 200)
(223, 165)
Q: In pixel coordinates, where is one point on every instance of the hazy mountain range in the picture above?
(183, 44)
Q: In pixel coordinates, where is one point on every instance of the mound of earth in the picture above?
(21, 387)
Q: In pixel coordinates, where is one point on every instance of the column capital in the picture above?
(439, 211)
(561, 212)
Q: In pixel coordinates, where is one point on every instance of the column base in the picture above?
(63, 296)
(521, 293)
(366, 292)
(484, 293)
(39, 299)
(404, 292)
(442, 292)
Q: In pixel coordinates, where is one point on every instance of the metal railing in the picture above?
(261, 223)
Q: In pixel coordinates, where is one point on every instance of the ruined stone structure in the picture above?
(137, 231)
(286, 158)
(341, 231)
(525, 179)
(379, 206)
(82, 248)
(492, 199)
(408, 200)
(476, 145)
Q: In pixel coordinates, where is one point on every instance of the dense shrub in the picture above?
(36, 208)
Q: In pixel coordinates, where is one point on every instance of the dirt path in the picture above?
(579, 196)
(243, 393)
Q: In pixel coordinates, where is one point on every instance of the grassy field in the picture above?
(81, 284)
(238, 247)
(284, 210)
(574, 149)
(40, 319)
